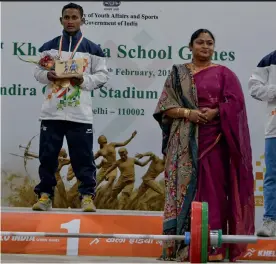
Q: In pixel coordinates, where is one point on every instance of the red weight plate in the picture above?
(195, 246)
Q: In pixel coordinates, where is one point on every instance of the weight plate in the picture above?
(219, 238)
(204, 233)
(195, 248)
(187, 237)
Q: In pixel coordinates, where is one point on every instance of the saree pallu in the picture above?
(211, 162)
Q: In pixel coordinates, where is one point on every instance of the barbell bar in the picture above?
(199, 239)
(90, 235)
(225, 238)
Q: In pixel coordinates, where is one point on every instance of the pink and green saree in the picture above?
(211, 162)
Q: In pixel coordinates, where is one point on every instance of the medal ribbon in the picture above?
(73, 52)
(71, 57)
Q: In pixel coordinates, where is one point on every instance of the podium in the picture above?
(75, 221)
(103, 221)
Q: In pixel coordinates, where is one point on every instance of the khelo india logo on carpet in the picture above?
(260, 170)
(261, 251)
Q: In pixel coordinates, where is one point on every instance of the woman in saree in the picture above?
(206, 142)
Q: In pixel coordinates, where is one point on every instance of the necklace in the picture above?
(196, 69)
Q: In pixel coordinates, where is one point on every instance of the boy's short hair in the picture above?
(74, 6)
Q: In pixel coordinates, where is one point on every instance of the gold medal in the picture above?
(57, 82)
(65, 83)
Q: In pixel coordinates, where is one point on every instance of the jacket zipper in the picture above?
(70, 43)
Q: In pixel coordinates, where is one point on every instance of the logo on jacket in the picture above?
(111, 3)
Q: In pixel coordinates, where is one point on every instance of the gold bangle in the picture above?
(187, 112)
(177, 113)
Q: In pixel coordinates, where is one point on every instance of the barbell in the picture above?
(199, 239)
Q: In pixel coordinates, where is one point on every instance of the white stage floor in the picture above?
(20, 258)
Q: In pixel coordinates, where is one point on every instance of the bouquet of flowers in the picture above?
(48, 63)
(45, 63)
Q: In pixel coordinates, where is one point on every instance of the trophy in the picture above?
(72, 68)
(67, 69)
